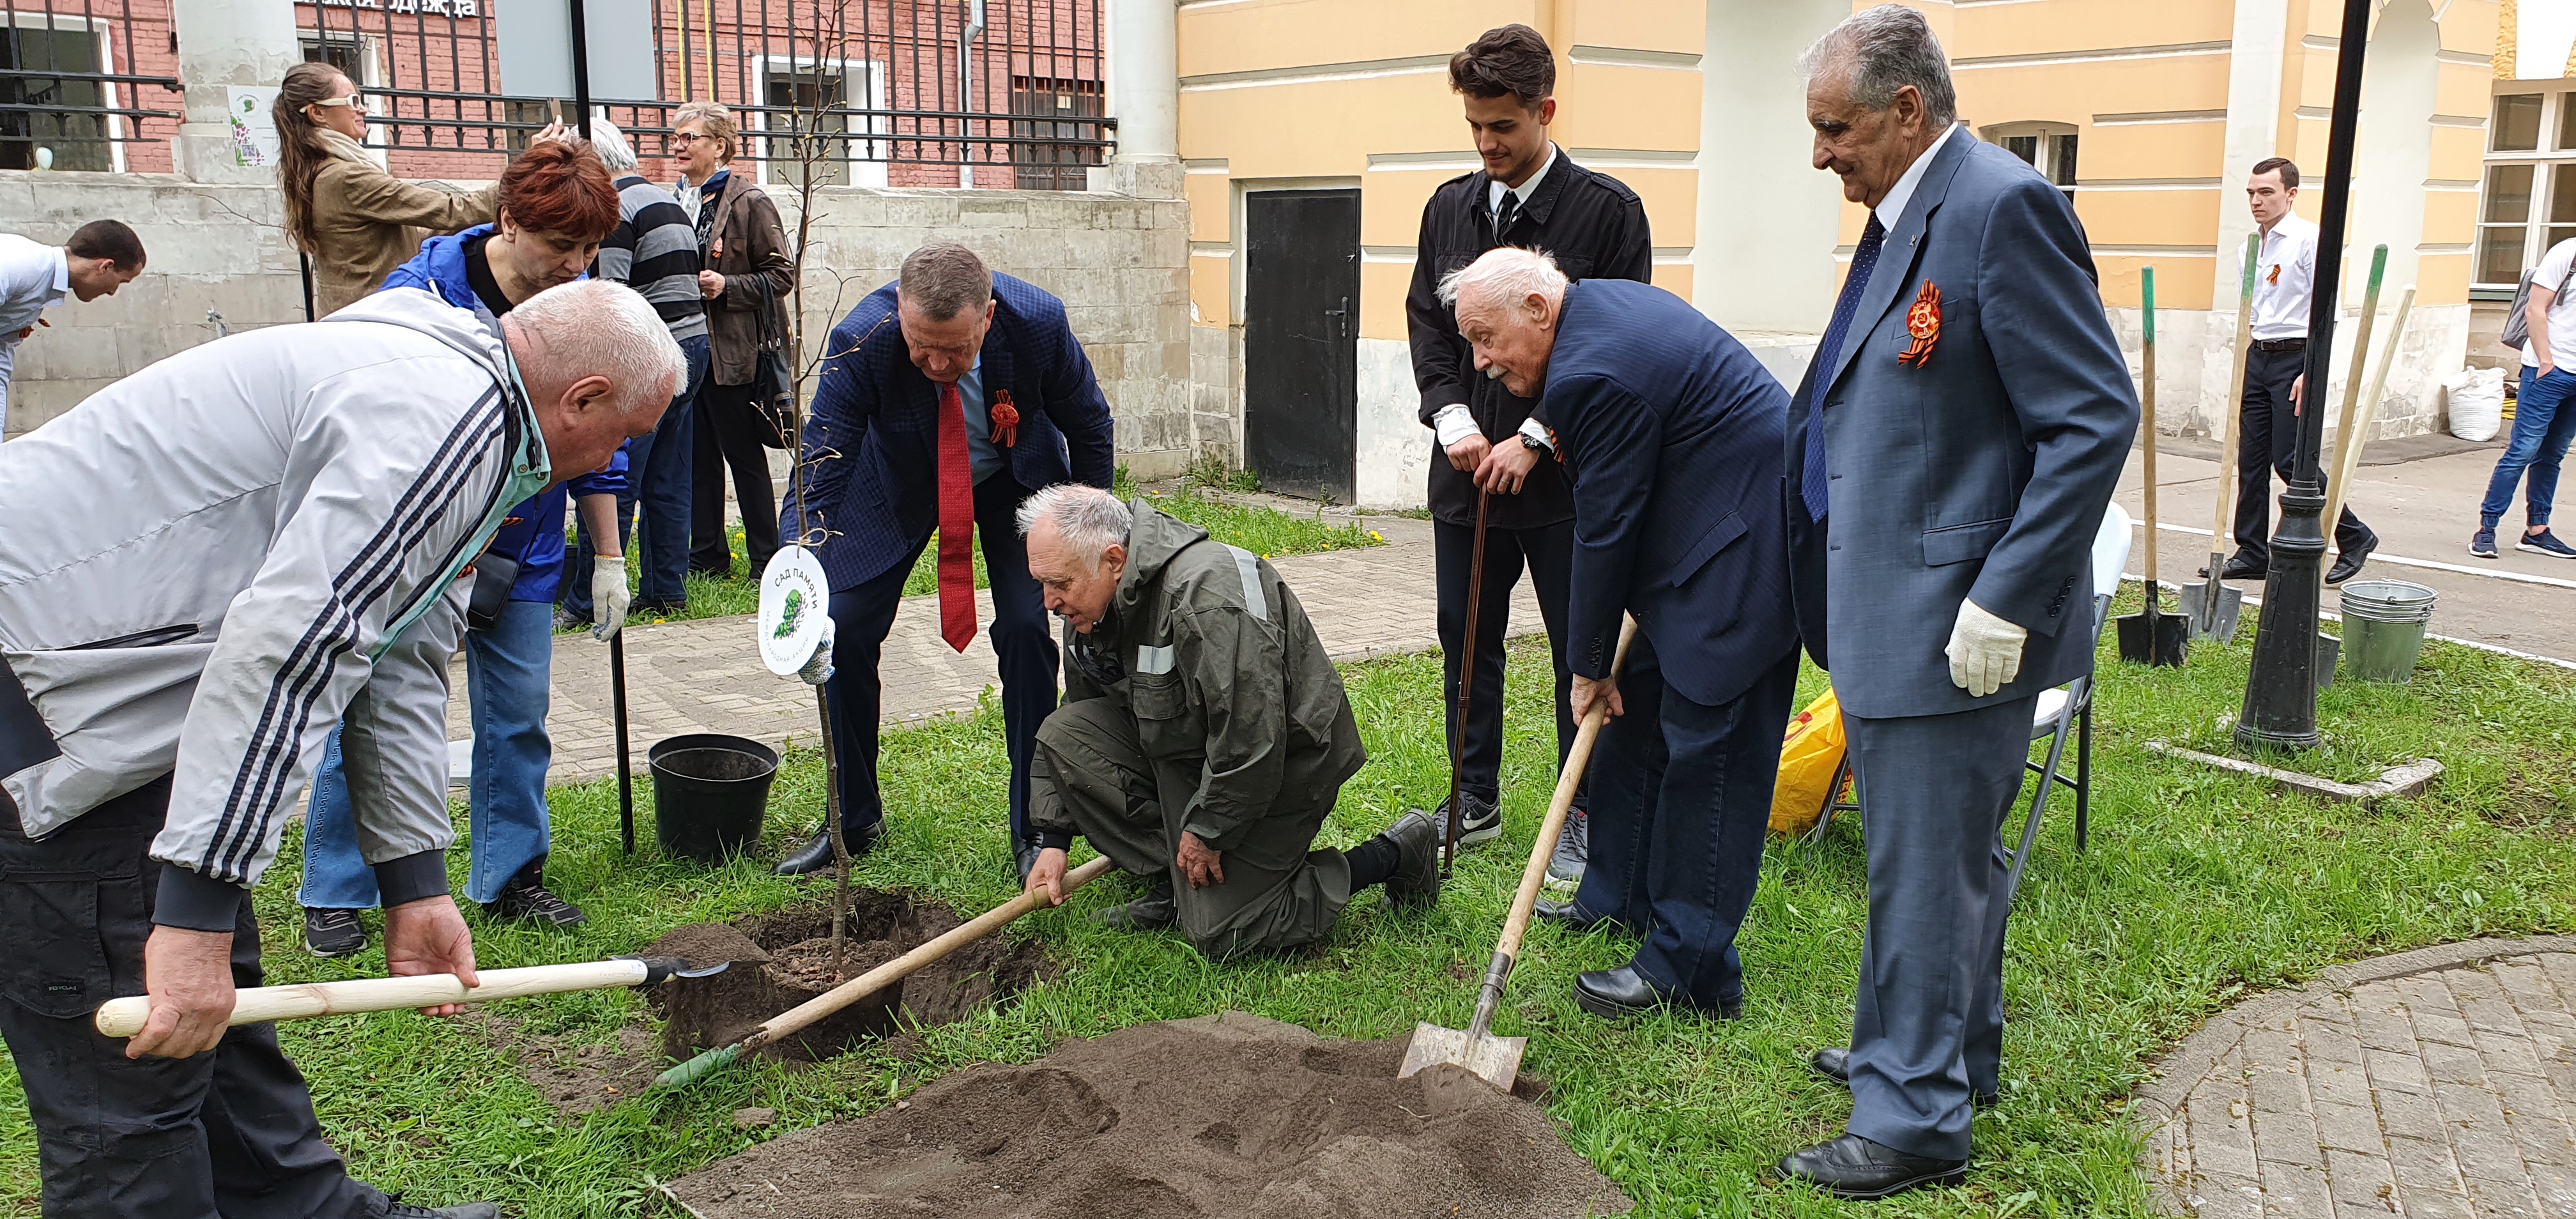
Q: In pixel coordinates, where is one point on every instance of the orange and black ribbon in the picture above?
(1006, 420)
(1923, 321)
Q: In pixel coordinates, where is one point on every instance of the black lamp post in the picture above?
(2281, 691)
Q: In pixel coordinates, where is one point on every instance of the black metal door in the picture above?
(1301, 296)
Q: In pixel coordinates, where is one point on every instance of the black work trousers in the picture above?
(2267, 442)
(1548, 553)
(227, 1133)
(728, 438)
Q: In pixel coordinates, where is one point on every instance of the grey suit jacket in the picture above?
(1979, 472)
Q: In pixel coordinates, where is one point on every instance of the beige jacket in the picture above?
(368, 222)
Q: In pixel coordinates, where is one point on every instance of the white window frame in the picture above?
(2049, 134)
(2556, 99)
(871, 172)
(104, 32)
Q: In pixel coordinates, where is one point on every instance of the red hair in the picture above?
(559, 186)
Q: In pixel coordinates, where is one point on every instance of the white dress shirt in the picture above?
(1452, 423)
(2285, 275)
(33, 278)
(1892, 208)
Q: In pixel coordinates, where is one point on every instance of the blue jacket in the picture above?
(1979, 472)
(870, 452)
(1671, 430)
(534, 528)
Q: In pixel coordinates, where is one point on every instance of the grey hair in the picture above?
(610, 143)
(943, 279)
(1513, 272)
(602, 328)
(1089, 519)
(718, 121)
(1882, 50)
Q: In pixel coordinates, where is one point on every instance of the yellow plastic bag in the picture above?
(1810, 756)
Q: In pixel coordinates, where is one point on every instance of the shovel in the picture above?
(625, 771)
(1456, 820)
(2210, 606)
(1497, 1060)
(261, 1004)
(797, 1018)
(2151, 638)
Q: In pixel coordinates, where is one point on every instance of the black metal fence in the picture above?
(87, 84)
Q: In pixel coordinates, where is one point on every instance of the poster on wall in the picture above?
(254, 132)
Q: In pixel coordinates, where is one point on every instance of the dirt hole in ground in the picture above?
(783, 959)
(1221, 1115)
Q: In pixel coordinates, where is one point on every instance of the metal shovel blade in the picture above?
(2211, 609)
(1496, 1060)
(2154, 637)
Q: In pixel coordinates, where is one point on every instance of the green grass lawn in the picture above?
(1267, 532)
(2199, 889)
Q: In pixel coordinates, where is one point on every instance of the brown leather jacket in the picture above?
(750, 242)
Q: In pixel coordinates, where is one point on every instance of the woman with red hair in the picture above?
(555, 204)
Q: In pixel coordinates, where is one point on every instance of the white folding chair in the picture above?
(2062, 711)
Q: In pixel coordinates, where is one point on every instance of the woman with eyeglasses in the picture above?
(356, 221)
(746, 283)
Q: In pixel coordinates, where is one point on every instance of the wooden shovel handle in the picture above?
(2226, 520)
(261, 1004)
(1568, 779)
(795, 1018)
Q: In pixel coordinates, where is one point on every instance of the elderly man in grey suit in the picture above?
(1949, 457)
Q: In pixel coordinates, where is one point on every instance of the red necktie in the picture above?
(956, 524)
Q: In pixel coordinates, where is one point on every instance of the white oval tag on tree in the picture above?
(795, 602)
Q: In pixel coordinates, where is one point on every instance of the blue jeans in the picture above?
(506, 671)
(657, 475)
(2540, 435)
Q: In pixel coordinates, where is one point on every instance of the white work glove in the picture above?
(1984, 651)
(608, 596)
(819, 669)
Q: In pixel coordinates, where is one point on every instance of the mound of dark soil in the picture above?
(1222, 1115)
(784, 959)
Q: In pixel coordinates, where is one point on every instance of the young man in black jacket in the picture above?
(1528, 194)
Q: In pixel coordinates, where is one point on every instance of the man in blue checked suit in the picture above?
(1671, 433)
(947, 398)
(1949, 456)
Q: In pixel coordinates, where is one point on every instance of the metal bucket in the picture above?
(709, 791)
(2383, 628)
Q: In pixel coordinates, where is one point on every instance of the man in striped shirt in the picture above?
(655, 252)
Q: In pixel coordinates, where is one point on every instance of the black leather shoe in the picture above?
(1416, 881)
(1854, 1167)
(1615, 994)
(1834, 1063)
(1574, 917)
(2348, 564)
(2240, 568)
(1025, 859)
(816, 854)
(1152, 912)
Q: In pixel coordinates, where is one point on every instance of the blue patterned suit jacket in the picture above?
(870, 451)
(1671, 430)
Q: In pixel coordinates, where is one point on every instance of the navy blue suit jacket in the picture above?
(1671, 430)
(870, 450)
(1980, 473)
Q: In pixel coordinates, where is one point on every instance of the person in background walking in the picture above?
(556, 205)
(2542, 420)
(1528, 194)
(654, 251)
(102, 256)
(2268, 423)
(354, 220)
(745, 280)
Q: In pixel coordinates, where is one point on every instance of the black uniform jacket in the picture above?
(1594, 227)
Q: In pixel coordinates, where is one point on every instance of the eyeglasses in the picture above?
(355, 101)
(685, 138)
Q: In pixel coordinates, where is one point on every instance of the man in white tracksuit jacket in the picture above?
(204, 568)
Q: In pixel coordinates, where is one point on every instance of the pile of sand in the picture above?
(1222, 1115)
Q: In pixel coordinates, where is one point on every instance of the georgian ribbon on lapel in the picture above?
(1006, 420)
(1923, 323)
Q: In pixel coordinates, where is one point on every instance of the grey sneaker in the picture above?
(2545, 542)
(332, 933)
(2483, 545)
(1573, 847)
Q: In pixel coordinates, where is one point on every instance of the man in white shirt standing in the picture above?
(2268, 439)
(101, 258)
(2540, 427)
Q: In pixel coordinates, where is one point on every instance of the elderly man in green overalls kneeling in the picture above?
(1203, 734)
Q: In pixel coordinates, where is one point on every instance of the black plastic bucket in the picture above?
(709, 791)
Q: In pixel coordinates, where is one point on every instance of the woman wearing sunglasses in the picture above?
(356, 221)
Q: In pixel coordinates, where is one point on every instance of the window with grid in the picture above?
(2047, 147)
(74, 137)
(1045, 109)
(2528, 203)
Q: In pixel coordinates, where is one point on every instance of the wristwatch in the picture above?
(1532, 442)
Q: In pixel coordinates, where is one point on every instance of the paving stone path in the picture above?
(2435, 1083)
(704, 676)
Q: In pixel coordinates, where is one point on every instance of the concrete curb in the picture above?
(2154, 1104)
(2400, 782)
